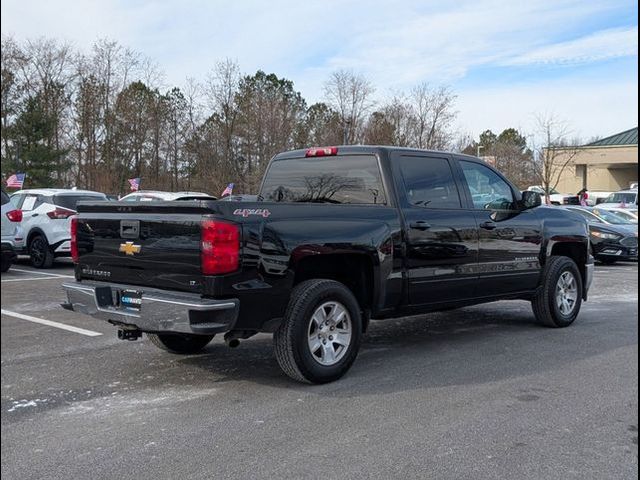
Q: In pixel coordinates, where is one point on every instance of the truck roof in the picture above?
(360, 149)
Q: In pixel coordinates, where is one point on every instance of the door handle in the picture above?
(35, 214)
(420, 225)
(488, 225)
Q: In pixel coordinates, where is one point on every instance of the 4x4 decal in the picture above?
(245, 212)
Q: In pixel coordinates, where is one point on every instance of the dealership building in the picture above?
(609, 164)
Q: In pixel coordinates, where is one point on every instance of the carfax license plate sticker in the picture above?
(131, 299)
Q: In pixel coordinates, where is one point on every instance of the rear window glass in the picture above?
(71, 201)
(5, 198)
(353, 179)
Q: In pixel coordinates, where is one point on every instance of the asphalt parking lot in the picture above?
(482, 392)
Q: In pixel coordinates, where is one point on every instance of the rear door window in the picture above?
(348, 179)
(429, 182)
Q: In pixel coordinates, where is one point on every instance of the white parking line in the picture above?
(49, 323)
(41, 273)
(28, 279)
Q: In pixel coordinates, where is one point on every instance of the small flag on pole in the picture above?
(16, 180)
(134, 183)
(228, 190)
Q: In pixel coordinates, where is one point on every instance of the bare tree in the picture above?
(47, 73)
(107, 119)
(556, 152)
(350, 95)
(221, 90)
(433, 109)
(464, 143)
(399, 112)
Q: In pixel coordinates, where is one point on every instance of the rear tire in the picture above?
(319, 337)
(40, 252)
(183, 344)
(558, 300)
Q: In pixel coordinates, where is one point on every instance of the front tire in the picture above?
(40, 252)
(183, 344)
(320, 334)
(558, 300)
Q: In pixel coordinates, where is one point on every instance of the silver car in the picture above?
(12, 237)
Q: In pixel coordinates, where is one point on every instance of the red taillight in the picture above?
(219, 247)
(15, 215)
(60, 213)
(321, 152)
(75, 256)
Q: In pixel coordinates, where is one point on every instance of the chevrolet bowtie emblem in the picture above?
(129, 248)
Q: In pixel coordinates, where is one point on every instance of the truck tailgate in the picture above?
(152, 244)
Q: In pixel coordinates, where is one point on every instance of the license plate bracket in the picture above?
(130, 299)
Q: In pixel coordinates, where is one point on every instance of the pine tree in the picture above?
(35, 155)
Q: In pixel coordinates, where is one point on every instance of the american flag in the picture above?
(228, 190)
(134, 183)
(16, 180)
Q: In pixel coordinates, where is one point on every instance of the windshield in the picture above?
(611, 217)
(590, 217)
(351, 179)
(622, 197)
(627, 215)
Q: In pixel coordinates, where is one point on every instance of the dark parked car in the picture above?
(338, 236)
(612, 237)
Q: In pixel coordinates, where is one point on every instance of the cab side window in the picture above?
(488, 190)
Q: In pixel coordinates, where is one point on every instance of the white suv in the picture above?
(622, 199)
(46, 219)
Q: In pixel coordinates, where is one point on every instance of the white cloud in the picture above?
(394, 43)
(603, 45)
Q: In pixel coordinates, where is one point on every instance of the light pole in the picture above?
(478, 150)
(345, 133)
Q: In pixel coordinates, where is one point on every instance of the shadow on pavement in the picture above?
(468, 346)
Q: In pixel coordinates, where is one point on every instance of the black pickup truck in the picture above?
(336, 237)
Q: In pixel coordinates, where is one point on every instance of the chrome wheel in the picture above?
(38, 251)
(329, 333)
(566, 293)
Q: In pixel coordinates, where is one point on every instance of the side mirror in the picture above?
(530, 199)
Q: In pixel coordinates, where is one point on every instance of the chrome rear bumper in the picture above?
(160, 310)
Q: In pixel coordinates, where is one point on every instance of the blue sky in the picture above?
(505, 60)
